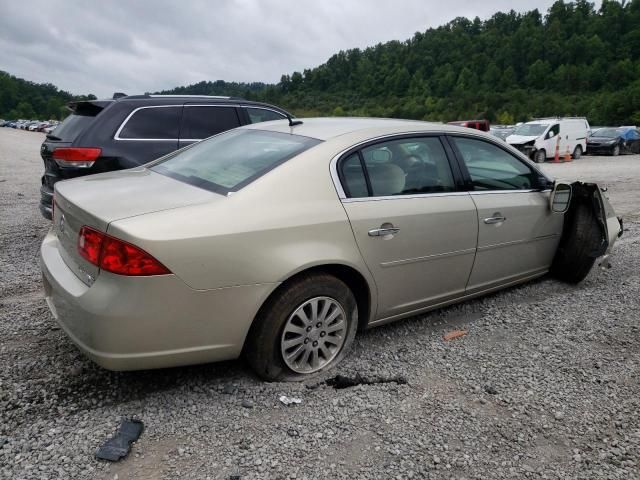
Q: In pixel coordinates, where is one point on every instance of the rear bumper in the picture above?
(129, 323)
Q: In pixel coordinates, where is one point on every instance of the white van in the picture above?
(538, 138)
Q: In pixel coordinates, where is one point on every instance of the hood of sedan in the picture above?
(127, 193)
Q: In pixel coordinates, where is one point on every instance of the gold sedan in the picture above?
(281, 240)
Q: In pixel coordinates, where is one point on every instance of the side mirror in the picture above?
(551, 134)
(560, 198)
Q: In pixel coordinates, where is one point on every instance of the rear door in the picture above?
(517, 233)
(200, 121)
(416, 231)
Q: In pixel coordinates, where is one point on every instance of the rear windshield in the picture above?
(73, 125)
(231, 160)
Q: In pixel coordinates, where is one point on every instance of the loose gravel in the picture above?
(545, 384)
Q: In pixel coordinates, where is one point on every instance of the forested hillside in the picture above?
(572, 60)
(27, 100)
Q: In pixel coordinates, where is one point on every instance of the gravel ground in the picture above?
(546, 384)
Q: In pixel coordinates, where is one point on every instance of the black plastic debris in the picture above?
(119, 445)
(340, 381)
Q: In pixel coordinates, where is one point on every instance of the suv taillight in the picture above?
(76, 156)
(116, 256)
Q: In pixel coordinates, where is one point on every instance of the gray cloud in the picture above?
(149, 45)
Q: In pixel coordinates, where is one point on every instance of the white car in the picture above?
(540, 138)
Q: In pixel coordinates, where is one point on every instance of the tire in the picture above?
(265, 345)
(577, 153)
(573, 260)
(540, 156)
(615, 151)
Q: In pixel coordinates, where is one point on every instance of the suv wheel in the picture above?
(305, 329)
(615, 151)
(540, 156)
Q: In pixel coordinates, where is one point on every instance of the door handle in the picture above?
(383, 231)
(497, 218)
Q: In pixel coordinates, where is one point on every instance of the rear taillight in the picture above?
(76, 156)
(116, 256)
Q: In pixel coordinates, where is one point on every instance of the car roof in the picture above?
(331, 127)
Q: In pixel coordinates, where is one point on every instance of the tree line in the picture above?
(573, 60)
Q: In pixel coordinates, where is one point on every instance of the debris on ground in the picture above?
(289, 400)
(454, 334)
(341, 381)
(118, 446)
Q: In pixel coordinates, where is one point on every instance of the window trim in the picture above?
(133, 112)
(338, 181)
(517, 155)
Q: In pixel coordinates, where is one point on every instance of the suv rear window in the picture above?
(74, 125)
(152, 123)
(233, 159)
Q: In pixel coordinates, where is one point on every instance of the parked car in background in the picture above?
(128, 131)
(614, 141)
(50, 128)
(281, 240)
(482, 125)
(539, 138)
(502, 131)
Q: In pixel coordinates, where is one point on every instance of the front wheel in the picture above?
(540, 156)
(577, 153)
(304, 329)
(615, 151)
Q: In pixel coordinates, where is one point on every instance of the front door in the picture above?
(416, 232)
(517, 233)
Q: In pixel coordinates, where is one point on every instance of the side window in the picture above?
(161, 123)
(257, 115)
(492, 168)
(399, 167)
(200, 122)
(555, 129)
(355, 182)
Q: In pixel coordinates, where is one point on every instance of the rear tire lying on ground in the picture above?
(316, 313)
(573, 260)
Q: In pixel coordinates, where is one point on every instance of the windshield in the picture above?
(607, 132)
(530, 129)
(231, 160)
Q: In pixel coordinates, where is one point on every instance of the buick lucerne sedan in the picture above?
(280, 241)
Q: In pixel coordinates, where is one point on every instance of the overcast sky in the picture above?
(132, 46)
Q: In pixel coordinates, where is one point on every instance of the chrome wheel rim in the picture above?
(313, 334)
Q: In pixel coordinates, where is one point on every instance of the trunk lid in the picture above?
(98, 200)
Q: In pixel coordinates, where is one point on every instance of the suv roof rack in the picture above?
(148, 95)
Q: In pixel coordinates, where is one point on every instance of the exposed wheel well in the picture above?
(354, 280)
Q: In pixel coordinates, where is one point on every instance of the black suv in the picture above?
(127, 131)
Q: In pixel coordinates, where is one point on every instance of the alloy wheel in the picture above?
(313, 334)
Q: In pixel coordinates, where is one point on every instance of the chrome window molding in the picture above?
(333, 166)
(264, 108)
(123, 124)
(335, 177)
(404, 197)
